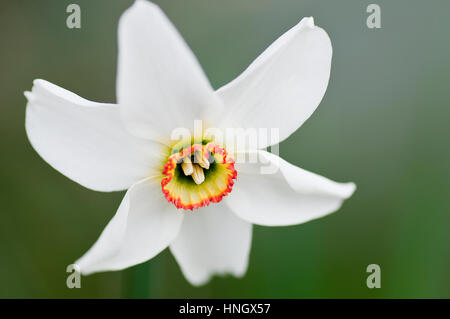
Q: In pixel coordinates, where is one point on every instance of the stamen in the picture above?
(201, 159)
(198, 176)
(187, 166)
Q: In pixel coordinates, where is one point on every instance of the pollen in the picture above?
(197, 175)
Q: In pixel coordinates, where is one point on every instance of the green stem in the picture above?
(137, 281)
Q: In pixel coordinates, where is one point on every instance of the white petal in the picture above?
(143, 226)
(288, 196)
(87, 141)
(212, 240)
(160, 82)
(284, 85)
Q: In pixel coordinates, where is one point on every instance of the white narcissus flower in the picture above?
(161, 87)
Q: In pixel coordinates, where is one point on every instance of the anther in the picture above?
(201, 159)
(198, 176)
(187, 166)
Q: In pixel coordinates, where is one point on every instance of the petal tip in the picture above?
(239, 273)
(81, 269)
(197, 282)
(307, 22)
(28, 95)
(39, 82)
(350, 189)
(144, 5)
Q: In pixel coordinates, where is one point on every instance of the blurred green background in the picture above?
(383, 124)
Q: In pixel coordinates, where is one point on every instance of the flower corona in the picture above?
(198, 175)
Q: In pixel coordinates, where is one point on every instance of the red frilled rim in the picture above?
(218, 182)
